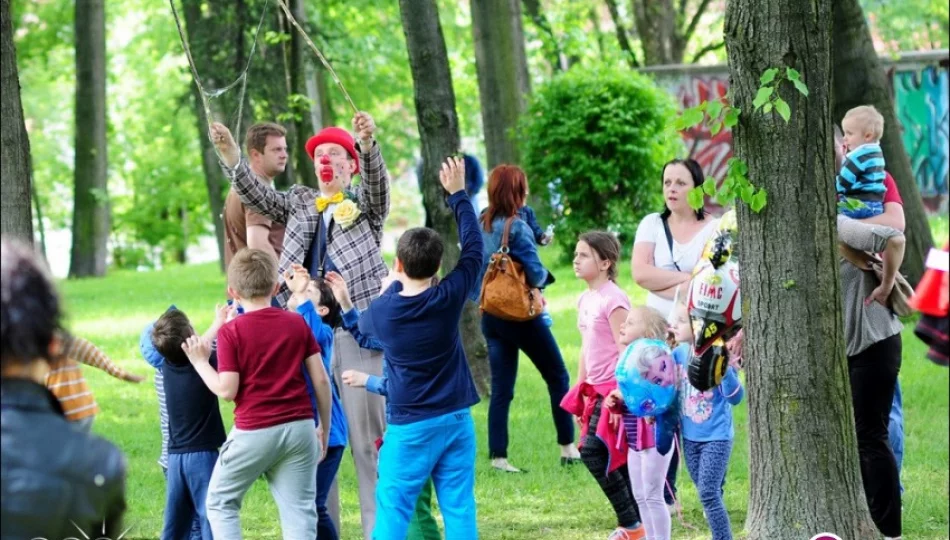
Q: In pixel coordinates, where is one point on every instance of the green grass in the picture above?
(550, 500)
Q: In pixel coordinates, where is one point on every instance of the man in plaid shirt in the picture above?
(337, 227)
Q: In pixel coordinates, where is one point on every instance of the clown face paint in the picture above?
(334, 167)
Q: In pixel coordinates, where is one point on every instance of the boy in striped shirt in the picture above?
(67, 383)
(862, 172)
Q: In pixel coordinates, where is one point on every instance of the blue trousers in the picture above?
(707, 463)
(186, 489)
(326, 472)
(443, 448)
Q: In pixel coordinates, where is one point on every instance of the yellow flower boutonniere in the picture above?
(346, 213)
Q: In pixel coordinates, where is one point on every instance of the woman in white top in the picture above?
(664, 257)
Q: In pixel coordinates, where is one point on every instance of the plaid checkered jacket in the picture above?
(354, 251)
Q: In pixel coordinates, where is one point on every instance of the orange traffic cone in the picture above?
(933, 292)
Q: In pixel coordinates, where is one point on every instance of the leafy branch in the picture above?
(720, 113)
(768, 98)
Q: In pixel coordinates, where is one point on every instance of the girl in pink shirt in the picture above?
(601, 312)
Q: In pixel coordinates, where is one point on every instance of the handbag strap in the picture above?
(504, 237)
(669, 242)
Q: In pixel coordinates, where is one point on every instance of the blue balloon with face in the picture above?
(646, 361)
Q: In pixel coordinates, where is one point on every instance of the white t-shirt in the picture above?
(684, 255)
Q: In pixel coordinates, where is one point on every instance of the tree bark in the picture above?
(502, 69)
(655, 21)
(803, 461)
(439, 134)
(860, 79)
(15, 166)
(91, 202)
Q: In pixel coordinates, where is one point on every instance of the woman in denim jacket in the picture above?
(507, 191)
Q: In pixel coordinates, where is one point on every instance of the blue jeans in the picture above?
(186, 489)
(326, 472)
(895, 428)
(505, 339)
(443, 448)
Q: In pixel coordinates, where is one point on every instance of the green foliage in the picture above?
(768, 98)
(593, 144)
(908, 25)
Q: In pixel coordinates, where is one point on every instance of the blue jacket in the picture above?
(707, 416)
(521, 246)
(420, 335)
(324, 336)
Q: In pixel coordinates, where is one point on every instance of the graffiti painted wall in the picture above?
(921, 99)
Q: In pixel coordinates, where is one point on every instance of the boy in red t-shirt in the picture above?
(259, 357)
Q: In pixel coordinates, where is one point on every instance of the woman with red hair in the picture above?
(507, 192)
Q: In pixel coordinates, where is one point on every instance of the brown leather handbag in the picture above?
(505, 290)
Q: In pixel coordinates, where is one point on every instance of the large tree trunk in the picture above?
(302, 73)
(803, 461)
(91, 206)
(655, 21)
(859, 79)
(439, 133)
(502, 75)
(15, 166)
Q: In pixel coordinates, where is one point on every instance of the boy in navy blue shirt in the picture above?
(195, 429)
(431, 432)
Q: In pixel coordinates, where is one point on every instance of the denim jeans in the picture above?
(505, 339)
(187, 478)
(326, 472)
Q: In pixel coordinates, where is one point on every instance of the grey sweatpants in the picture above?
(365, 421)
(287, 456)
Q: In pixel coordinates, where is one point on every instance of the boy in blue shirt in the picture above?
(195, 429)
(314, 300)
(862, 171)
(431, 432)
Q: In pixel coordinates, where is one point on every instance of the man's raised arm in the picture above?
(255, 194)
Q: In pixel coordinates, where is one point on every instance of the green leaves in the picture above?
(767, 97)
(709, 186)
(732, 117)
(768, 76)
(690, 118)
(696, 198)
(759, 200)
(783, 110)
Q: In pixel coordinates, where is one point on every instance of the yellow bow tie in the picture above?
(324, 202)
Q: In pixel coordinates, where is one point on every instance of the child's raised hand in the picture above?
(613, 398)
(221, 313)
(232, 312)
(452, 175)
(197, 349)
(297, 278)
(354, 378)
(338, 286)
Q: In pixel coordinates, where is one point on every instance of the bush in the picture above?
(593, 143)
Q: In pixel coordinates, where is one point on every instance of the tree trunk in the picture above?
(859, 79)
(502, 70)
(621, 30)
(439, 134)
(655, 21)
(91, 200)
(803, 461)
(15, 166)
(215, 180)
(301, 75)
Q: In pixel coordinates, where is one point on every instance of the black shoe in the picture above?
(568, 461)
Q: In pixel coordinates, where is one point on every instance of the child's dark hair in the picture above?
(334, 316)
(169, 332)
(30, 311)
(606, 246)
(420, 252)
(696, 172)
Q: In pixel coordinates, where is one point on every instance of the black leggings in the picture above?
(615, 484)
(873, 374)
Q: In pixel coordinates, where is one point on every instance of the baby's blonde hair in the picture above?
(654, 324)
(869, 118)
